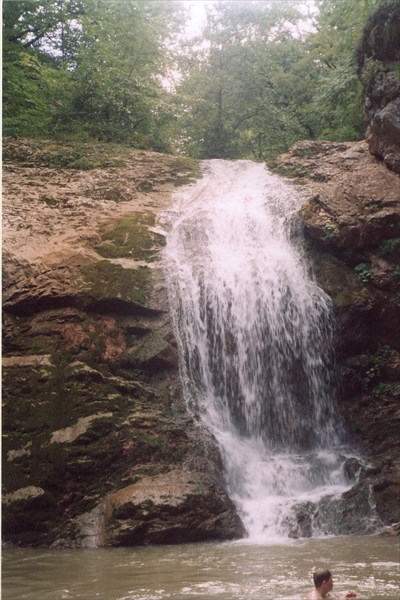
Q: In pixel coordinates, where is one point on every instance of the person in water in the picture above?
(323, 586)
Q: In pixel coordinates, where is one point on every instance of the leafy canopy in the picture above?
(262, 75)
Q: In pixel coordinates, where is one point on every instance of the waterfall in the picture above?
(255, 337)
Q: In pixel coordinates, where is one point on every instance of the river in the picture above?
(214, 571)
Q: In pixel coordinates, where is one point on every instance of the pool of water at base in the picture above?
(215, 571)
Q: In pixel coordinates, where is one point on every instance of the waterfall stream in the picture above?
(255, 336)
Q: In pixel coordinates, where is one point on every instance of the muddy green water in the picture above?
(241, 571)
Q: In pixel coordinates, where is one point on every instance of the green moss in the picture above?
(338, 280)
(390, 248)
(68, 155)
(288, 171)
(186, 170)
(363, 271)
(329, 233)
(131, 237)
(34, 344)
(150, 345)
(105, 280)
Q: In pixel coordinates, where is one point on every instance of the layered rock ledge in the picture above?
(97, 445)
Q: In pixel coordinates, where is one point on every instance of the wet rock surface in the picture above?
(351, 217)
(92, 406)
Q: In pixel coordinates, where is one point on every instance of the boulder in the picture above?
(173, 507)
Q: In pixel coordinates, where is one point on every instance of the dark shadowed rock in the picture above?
(379, 60)
(174, 507)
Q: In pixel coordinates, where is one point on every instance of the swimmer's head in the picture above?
(320, 576)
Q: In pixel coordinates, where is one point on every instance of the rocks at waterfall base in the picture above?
(97, 445)
(351, 218)
(175, 506)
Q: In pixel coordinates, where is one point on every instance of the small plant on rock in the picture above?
(364, 272)
(380, 390)
(329, 232)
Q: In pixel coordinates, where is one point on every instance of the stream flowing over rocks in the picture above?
(99, 448)
(352, 225)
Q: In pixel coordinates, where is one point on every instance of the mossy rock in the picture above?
(339, 281)
(186, 171)
(131, 237)
(297, 172)
(104, 280)
(61, 154)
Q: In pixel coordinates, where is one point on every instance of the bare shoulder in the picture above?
(313, 596)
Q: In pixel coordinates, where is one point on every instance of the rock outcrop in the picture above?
(379, 68)
(97, 445)
(351, 218)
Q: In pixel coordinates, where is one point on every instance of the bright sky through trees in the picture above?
(197, 11)
(197, 19)
(260, 75)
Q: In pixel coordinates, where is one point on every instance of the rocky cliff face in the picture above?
(98, 448)
(379, 68)
(351, 220)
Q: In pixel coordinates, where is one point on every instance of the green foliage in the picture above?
(30, 93)
(247, 95)
(118, 96)
(390, 247)
(338, 94)
(363, 271)
(329, 233)
(88, 69)
(262, 83)
(372, 375)
(263, 74)
(380, 390)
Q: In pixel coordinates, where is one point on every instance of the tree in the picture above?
(245, 95)
(338, 95)
(109, 58)
(256, 81)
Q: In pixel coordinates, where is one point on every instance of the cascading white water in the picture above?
(255, 337)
